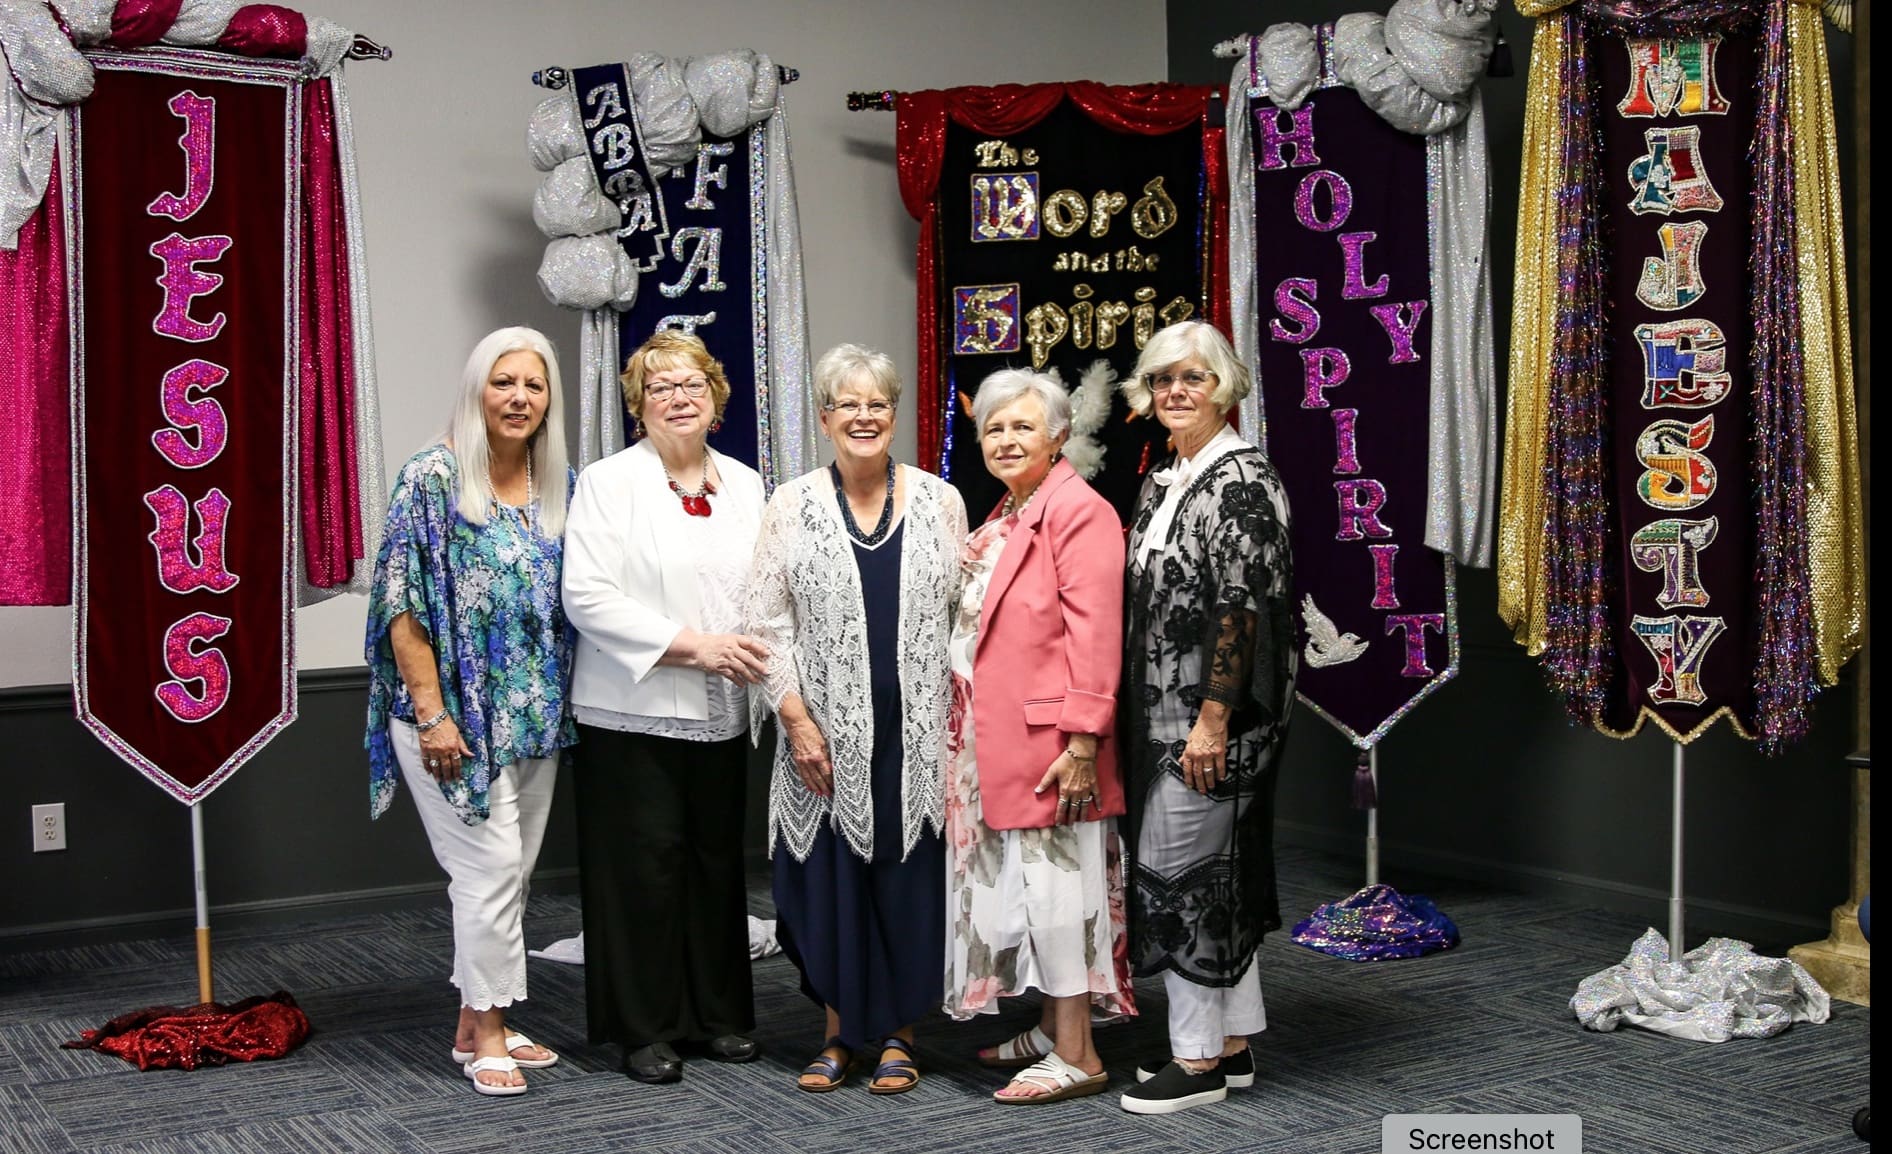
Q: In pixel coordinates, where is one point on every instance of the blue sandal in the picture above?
(834, 1071)
(901, 1068)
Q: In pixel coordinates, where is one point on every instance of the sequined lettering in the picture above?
(183, 282)
(1005, 206)
(1673, 280)
(1385, 595)
(1064, 212)
(1273, 138)
(184, 411)
(1154, 213)
(994, 154)
(687, 322)
(1103, 206)
(1353, 286)
(1670, 177)
(1360, 505)
(176, 571)
(1677, 473)
(1294, 299)
(1679, 646)
(1339, 200)
(606, 100)
(1399, 322)
(1346, 442)
(1672, 78)
(1179, 309)
(1143, 316)
(1684, 364)
(1045, 326)
(707, 175)
(1322, 369)
(985, 319)
(1415, 626)
(1673, 547)
(706, 258)
(616, 144)
(187, 663)
(199, 114)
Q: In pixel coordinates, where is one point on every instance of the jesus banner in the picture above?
(1061, 226)
(184, 216)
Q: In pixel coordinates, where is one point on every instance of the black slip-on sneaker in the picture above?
(1173, 1088)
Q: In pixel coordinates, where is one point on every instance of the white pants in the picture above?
(1203, 1018)
(489, 867)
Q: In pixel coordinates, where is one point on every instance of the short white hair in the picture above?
(1008, 385)
(1177, 343)
(473, 454)
(844, 362)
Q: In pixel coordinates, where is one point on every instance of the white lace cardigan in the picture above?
(805, 602)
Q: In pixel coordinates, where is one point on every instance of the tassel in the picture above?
(1364, 795)
(1500, 66)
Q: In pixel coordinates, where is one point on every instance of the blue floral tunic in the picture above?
(488, 599)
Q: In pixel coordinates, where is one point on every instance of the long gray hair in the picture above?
(466, 431)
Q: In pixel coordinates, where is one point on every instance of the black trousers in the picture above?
(660, 858)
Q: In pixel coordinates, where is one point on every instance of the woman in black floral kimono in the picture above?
(1209, 678)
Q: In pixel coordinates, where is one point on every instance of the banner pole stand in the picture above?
(1373, 821)
(204, 991)
(1676, 945)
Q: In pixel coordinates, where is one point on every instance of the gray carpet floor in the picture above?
(1481, 1028)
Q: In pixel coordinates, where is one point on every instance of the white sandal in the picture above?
(513, 1042)
(493, 1065)
(1024, 1050)
(1065, 1081)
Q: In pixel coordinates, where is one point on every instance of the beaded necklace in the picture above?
(696, 504)
(847, 513)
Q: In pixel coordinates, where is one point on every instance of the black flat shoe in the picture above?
(733, 1048)
(656, 1063)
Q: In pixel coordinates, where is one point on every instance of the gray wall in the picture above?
(1486, 780)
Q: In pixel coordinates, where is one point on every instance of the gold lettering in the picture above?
(1028, 156)
(1103, 206)
(1176, 311)
(1003, 206)
(1045, 326)
(1064, 212)
(995, 154)
(1154, 213)
(1143, 317)
(1110, 314)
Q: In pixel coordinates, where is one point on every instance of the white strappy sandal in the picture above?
(497, 1066)
(1065, 1081)
(1023, 1050)
(513, 1042)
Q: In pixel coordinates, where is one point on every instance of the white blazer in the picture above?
(629, 589)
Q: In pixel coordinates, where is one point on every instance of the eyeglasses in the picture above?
(848, 410)
(1195, 380)
(664, 390)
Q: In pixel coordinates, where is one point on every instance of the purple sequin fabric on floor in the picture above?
(1377, 924)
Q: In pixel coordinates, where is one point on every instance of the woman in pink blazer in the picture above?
(1035, 877)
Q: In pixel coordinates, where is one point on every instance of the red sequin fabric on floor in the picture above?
(211, 1034)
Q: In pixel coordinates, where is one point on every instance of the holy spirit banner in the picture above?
(1684, 543)
(1061, 225)
(186, 354)
(1351, 330)
(670, 201)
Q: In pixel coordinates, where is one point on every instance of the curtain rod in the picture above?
(556, 77)
(882, 101)
(365, 49)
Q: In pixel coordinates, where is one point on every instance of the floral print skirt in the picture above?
(1028, 908)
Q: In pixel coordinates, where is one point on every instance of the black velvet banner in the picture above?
(1061, 244)
(1678, 116)
(1343, 283)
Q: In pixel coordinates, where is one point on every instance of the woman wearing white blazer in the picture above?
(657, 549)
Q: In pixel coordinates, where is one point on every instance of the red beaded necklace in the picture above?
(695, 504)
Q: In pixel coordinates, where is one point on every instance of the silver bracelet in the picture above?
(432, 722)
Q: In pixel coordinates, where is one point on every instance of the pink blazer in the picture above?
(1050, 652)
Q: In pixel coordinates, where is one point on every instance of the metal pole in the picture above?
(1373, 821)
(204, 992)
(1676, 945)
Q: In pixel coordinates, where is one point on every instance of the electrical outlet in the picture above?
(49, 827)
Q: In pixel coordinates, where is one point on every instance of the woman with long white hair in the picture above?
(470, 656)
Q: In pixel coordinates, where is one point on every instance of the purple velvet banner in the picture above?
(1678, 117)
(1343, 273)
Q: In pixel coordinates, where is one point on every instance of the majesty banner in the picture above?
(185, 363)
(1344, 358)
(1062, 225)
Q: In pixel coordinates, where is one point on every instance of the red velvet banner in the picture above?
(185, 398)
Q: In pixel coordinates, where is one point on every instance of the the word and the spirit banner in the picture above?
(1069, 224)
(1344, 356)
(184, 315)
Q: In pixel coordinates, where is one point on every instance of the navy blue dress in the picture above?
(870, 937)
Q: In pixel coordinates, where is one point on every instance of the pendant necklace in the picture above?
(695, 504)
(847, 513)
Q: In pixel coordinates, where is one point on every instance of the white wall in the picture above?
(447, 189)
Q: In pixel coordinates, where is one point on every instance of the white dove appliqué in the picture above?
(1326, 645)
